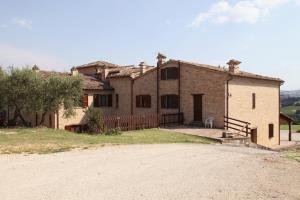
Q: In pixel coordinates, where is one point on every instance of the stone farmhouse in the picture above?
(174, 86)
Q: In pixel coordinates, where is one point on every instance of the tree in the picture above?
(94, 120)
(26, 91)
(21, 89)
(60, 91)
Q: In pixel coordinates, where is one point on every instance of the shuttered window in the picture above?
(143, 101)
(170, 73)
(103, 100)
(271, 130)
(85, 101)
(169, 101)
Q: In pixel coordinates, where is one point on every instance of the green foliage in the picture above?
(94, 119)
(57, 91)
(113, 131)
(27, 91)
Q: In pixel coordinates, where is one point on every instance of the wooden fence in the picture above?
(132, 122)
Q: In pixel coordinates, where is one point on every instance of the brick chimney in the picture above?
(160, 59)
(234, 66)
(142, 68)
(74, 71)
(104, 74)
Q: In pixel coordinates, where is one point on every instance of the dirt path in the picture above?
(174, 171)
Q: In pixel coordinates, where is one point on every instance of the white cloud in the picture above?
(12, 56)
(247, 11)
(24, 23)
(298, 2)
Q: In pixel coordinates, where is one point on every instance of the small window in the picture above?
(169, 101)
(253, 100)
(271, 130)
(143, 101)
(117, 101)
(102, 100)
(170, 73)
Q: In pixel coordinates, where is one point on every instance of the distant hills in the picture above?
(290, 94)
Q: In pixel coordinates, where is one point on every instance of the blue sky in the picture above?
(263, 34)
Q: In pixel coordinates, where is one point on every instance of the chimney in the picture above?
(234, 66)
(74, 71)
(104, 74)
(160, 59)
(142, 68)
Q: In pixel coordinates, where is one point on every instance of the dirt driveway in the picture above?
(173, 171)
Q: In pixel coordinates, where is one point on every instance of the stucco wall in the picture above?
(79, 118)
(267, 106)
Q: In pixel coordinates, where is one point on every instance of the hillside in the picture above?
(290, 94)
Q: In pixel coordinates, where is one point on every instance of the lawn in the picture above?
(34, 140)
(294, 127)
(290, 110)
(293, 153)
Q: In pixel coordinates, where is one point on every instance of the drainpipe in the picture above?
(227, 97)
(179, 92)
(131, 96)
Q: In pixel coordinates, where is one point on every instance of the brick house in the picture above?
(198, 91)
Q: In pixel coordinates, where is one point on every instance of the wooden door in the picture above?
(254, 135)
(198, 107)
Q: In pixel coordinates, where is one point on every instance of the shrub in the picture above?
(113, 131)
(94, 120)
(298, 112)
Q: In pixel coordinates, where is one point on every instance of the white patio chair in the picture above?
(209, 122)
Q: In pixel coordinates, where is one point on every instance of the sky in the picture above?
(58, 34)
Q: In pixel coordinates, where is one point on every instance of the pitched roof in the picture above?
(127, 71)
(225, 70)
(90, 82)
(99, 63)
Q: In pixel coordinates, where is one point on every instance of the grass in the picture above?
(33, 140)
(293, 153)
(294, 127)
(290, 110)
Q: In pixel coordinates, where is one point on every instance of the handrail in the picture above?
(235, 126)
(237, 120)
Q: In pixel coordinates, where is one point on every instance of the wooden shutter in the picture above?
(163, 101)
(96, 100)
(148, 101)
(109, 103)
(163, 74)
(85, 100)
(172, 73)
(271, 130)
(137, 101)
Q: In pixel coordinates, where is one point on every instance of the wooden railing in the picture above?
(237, 125)
(169, 119)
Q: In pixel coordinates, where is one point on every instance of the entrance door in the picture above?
(198, 107)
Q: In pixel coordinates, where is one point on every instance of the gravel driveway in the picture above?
(171, 171)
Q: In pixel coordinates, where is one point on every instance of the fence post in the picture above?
(247, 130)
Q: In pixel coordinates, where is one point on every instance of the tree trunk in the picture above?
(18, 114)
(42, 119)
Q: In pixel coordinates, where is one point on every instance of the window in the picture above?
(169, 101)
(103, 100)
(84, 101)
(271, 130)
(117, 101)
(143, 101)
(170, 73)
(253, 100)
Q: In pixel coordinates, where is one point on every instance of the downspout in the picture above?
(227, 98)
(179, 93)
(157, 89)
(131, 96)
